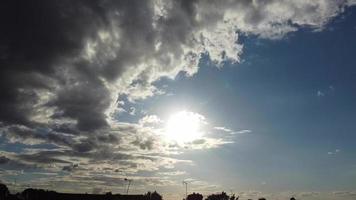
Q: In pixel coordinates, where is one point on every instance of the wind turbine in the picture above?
(128, 186)
(186, 188)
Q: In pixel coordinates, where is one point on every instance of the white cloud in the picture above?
(320, 93)
(327, 91)
(150, 120)
(173, 173)
(242, 131)
(232, 132)
(336, 151)
(351, 2)
(132, 111)
(350, 194)
(213, 28)
(207, 143)
(221, 128)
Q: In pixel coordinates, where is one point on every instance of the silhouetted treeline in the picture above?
(39, 194)
(222, 196)
(219, 196)
(195, 196)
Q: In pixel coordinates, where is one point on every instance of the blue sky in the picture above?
(296, 94)
(252, 97)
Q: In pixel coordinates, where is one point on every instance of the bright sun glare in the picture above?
(184, 127)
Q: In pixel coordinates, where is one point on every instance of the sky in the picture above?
(252, 97)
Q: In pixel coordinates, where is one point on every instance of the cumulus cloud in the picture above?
(64, 65)
(72, 66)
(150, 120)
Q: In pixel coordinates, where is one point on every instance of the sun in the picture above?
(184, 126)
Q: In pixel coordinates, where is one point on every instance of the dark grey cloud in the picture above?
(42, 45)
(4, 160)
(7, 163)
(24, 133)
(144, 143)
(66, 128)
(108, 138)
(64, 63)
(37, 37)
(59, 59)
(70, 168)
(43, 157)
(45, 47)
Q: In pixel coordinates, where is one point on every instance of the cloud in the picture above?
(207, 143)
(73, 70)
(64, 65)
(221, 128)
(308, 194)
(173, 173)
(150, 120)
(132, 111)
(345, 193)
(8, 162)
(327, 91)
(4, 160)
(97, 190)
(232, 132)
(244, 131)
(336, 151)
(70, 168)
(320, 93)
(144, 144)
(351, 2)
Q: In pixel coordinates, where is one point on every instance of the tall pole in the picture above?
(186, 189)
(128, 186)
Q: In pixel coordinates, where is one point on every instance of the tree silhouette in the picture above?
(154, 196)
(4, 191)
(222, 196)
(232, 197)
(195, 196)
